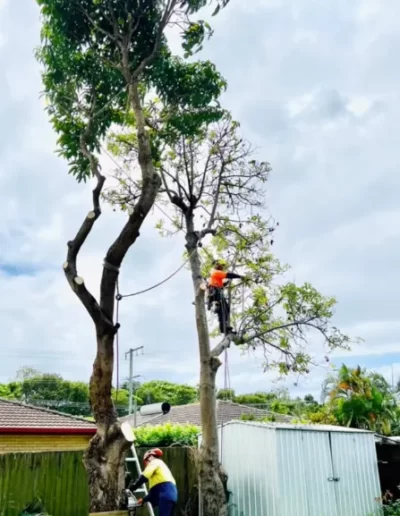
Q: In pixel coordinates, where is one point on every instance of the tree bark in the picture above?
(105, 456)
(212, 491)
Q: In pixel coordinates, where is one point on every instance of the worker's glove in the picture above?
(140, 502)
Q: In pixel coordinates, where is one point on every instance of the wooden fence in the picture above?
(59, 480)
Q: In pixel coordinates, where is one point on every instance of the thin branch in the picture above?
(99, 29)
(150, 58)
(280, 327)
(176, 180)
(171, 193)
(216, 199)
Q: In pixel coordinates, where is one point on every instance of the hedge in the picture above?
(167, 434)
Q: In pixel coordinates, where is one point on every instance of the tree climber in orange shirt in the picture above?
(218, 279)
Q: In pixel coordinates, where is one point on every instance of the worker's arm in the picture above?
(139, 482)
(232, 275)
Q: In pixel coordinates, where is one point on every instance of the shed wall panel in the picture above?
(249, 457)
(355, 464)
(304, 466)
(292, 471)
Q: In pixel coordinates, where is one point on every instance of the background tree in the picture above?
(215, 187)
(226, 395)
(361, 399)
(158, 391)
(99, 57)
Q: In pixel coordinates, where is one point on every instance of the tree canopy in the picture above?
(93, 50)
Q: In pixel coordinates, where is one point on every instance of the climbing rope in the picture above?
(117, 342)
(120, 296)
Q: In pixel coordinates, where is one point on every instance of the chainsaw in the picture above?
(131, 502)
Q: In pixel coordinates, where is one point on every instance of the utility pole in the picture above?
(131, 353)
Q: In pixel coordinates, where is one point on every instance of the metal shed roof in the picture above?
(289, 426)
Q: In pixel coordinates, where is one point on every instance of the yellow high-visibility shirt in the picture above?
(158, 472)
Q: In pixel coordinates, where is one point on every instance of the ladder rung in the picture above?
(130, 459)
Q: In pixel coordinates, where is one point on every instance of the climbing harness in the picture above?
(218, 304)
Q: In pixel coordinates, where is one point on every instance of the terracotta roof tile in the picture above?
(18, 415)
(226, 411)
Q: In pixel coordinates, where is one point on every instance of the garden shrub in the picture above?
(167, 434)
(392, 509)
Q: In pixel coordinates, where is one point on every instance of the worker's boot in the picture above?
(215, 307)
(230, 331)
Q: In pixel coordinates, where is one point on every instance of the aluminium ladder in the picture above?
(143, 489)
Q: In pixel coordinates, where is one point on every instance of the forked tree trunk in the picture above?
(104, 458)
(212, 490)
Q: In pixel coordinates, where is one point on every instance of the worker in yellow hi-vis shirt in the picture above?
(162, 486)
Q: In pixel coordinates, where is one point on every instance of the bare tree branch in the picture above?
(70, 268)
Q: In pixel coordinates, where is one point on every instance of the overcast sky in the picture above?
(315, 87)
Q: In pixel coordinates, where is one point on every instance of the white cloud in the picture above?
(315, 87)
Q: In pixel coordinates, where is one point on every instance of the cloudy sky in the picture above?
(315, 87)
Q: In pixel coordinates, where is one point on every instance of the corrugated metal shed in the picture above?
(296, 470)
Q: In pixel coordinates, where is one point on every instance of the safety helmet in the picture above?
(155, 452)
(220, 264)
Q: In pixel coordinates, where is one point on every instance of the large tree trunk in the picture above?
(105, 457)
(213, 493)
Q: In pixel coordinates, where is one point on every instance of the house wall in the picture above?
(23, 443)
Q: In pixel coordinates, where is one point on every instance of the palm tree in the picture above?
(359, 399)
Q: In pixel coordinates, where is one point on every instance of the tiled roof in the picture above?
(226, 411)
(15, 415)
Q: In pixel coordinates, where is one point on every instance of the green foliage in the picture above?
(393, 509)
(53, 392)
(360, 399)
(258, 419)
(158, 391)
(167, 435)
(226, 395)
(11, 391)
(323, 416)
(268, 313)
(92, 50)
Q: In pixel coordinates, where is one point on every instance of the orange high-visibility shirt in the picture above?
(217, 278)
